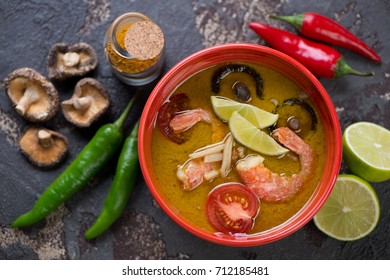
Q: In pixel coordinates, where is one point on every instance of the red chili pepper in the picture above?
(321, 60)
(324, 29)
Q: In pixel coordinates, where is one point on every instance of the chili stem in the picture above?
(134, 131)
(120, 121)
(342, 68)
(296, 21)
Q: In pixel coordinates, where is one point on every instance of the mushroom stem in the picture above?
(30, 96)
(82, 103)
(79, 103)
(45, 138)
(71, 59)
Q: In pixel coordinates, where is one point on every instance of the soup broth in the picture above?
(167, 155)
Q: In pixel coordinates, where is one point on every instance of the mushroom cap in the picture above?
(45, 107)
(39, 154)
(59, 69)
(99, 103)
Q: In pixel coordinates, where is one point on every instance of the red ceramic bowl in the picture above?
(277, 61)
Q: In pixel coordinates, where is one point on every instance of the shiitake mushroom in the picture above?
(296, 114)
(241, 91)
(33, 96)
(89, 101)
(223, 71)
(42, 146)
(66, 61)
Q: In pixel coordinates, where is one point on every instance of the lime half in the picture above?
(366, 149)
(225, 107)
(252, 137)
(352, 210)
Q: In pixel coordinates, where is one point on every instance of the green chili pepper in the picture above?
(121, 188)
(87, 164)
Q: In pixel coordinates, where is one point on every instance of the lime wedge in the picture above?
(366, 148)
(352, 210)
(224, 108)
(252, 137)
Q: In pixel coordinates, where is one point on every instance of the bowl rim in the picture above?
(316, 201)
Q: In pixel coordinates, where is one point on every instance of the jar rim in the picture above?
(130, 17)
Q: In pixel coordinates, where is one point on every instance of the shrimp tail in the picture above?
(184, 120)
(296, 144)
(289, 139)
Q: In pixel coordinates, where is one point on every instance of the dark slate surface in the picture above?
(27, 31)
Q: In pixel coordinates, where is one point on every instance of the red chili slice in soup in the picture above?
(178, 102)
(232, 208)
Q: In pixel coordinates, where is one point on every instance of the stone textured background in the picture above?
(27, 31)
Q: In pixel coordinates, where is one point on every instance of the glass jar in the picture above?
(129, 68)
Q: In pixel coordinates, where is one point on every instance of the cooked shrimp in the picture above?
(271, 186)
(184, 120)
(207, 163)
(192, 172)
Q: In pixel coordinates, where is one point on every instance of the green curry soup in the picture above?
(167, 155)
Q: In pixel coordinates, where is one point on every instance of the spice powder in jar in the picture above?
(134, 46)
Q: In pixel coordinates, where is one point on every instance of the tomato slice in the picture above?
(232, 208)
(178, 102)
